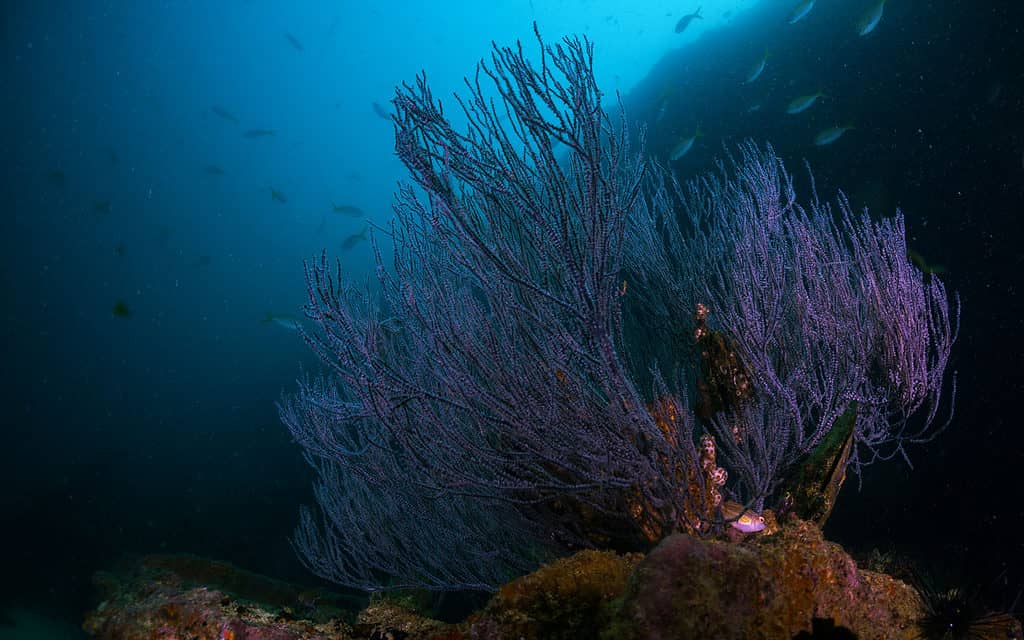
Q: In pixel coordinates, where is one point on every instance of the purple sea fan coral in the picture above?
(822, 309)
(480, 414)
(515, 385)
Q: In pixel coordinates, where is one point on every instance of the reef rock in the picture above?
(791, 584)
(771, 587)
(566, 599)
(175, 597)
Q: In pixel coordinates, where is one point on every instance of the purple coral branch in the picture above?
(503, 395)
(823, 308)
(497, 396)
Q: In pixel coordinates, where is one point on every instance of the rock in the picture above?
(791, 584)
(174, 597)
(567, 598)
(387, 620)
(768, 587)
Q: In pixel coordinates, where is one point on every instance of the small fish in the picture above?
(803, 103)
(57, 178)
(259, 133)
(871, 18)
(379, 110)
(308, 599)
(684, 145)
(754, 107)
(756, 70)
(392, 325)
(687, 19)
(830, 135)
(347, 209)
(994, 91)
(800, 11)
(101, 207)
(294, 42)
(163, 233)
(224, 113)
(285, 321)
(355, 238)
(662, 109)
(120, 249)
(918, 260)
(746, 521)
(278, 196)
(112, 156)
(121, 310)
(213, 170)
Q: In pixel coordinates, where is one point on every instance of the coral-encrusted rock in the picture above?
(770, 587)
(386, 620)
(565, 599)
(178, 597)
(763, 587)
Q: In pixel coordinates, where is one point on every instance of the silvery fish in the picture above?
(871, 18)
(803, 103)
(284, 321)
(830, 135)
(684, 145)
(757, 69)
(800, 11)
(347, 209)
(687, 19)
(355, 238)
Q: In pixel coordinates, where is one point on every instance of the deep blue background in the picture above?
(158, 431)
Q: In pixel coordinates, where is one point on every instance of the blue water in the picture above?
(144, 246)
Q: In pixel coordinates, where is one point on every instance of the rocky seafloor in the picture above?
(792, 584)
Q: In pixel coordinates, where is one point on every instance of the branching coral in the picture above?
(500, 396)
